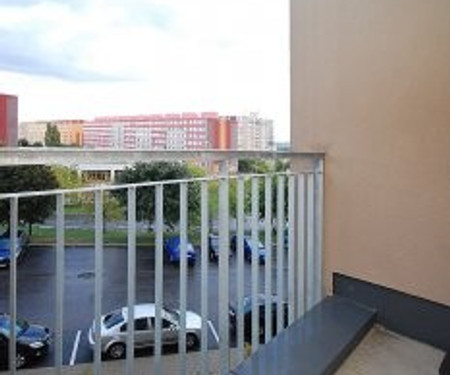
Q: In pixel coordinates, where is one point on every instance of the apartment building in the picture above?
(255, 133)
(71, 131)
(184, 131)
(8, 120)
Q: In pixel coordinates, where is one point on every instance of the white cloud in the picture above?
(159, 55)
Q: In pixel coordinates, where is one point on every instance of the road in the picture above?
(36, 291)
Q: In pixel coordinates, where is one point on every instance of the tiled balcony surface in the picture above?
(385, 353)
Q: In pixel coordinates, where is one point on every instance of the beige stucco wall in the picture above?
(371, 87)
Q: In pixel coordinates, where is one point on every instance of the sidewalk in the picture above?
(143, 366)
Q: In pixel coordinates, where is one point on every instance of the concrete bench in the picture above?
(316, 344)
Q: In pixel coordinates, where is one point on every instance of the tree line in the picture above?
(14, 179)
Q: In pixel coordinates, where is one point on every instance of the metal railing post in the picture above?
(301, 244)
(98, 196)
(131, 278)
(183, 277)
(268, 265)
(255, 264)
(59, 282)
(240, 267)
(280, 253)
(224, 249)
(310, 262)
(13, 223)
(318, 242)
(204, 277)
(159, 264)
(291, 250)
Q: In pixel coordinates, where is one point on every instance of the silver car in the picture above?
(114, 329)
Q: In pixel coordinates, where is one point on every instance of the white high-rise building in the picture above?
(254, 133)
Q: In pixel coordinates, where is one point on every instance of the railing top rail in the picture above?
(92, 189)
(76, 156)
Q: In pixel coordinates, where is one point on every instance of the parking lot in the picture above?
(36, 291)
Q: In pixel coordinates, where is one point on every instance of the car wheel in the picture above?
(116, 351)
(191, 341)
(21, 360)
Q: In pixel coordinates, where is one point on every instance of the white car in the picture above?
(114, 329)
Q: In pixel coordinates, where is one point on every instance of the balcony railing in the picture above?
(292, 269)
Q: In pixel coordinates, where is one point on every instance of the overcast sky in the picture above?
(86, 58)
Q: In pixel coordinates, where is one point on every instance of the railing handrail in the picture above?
(93, 189)
(76, 156)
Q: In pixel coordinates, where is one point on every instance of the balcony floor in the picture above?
(385, 353)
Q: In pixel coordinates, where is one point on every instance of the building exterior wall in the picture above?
(8, 120)
(186, 131)
(71, 131)
(255, 133)
(370, 86)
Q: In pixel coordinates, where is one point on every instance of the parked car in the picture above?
(173, 251)
(261, 303)
(213, 247)
(5, 246)
(114, 329)
(32, 341)
(248, 249)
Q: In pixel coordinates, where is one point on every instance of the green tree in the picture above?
(28, 178)
(145, 196)
(52, 136)
(253, 166)
(264, 167)
(69, 178)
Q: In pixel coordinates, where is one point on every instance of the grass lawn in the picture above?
(86, 236)
(44, 235)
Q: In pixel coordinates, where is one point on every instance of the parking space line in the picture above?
(213, 331)
(73, 357)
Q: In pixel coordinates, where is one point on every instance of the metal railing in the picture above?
(298, 273)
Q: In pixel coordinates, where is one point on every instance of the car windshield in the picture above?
(4, 244)
(173, 314)
(5, 325)
(114, 318)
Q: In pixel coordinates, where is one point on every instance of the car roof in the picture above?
(140, 311)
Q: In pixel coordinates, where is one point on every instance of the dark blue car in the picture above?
(248, 249)
(173, 251)
(5, 246)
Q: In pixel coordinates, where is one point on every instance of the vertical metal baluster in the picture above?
(240, 268)
(291, 250)
(204, 278)
(159, 227)
(318, 182)
(59, 282)
(224, 227)
(301, 240)
(255, 264)
(268, 265)
(13, 223)
(131, 282)
(183, 277)
(98, 196)
(280, 253)
(310, 294)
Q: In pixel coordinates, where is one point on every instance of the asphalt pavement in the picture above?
(36, 292)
